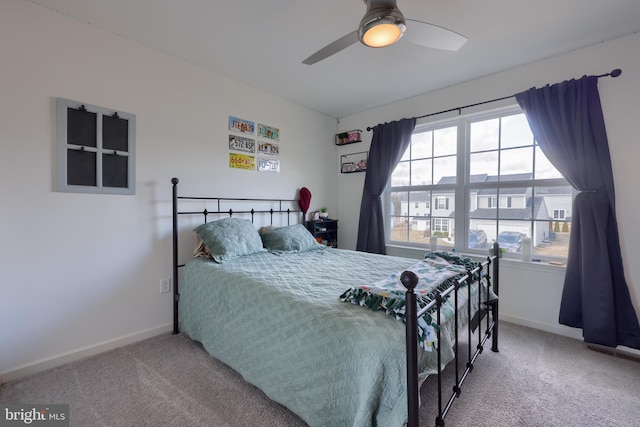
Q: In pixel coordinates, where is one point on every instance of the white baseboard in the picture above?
(71, 356)
(554, 329)
(558, 330)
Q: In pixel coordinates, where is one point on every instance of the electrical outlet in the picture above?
(165, 285)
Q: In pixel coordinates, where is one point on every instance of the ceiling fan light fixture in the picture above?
(382, 27)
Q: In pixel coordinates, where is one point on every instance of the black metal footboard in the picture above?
(487, 309)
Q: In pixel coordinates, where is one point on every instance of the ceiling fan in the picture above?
(383, 24)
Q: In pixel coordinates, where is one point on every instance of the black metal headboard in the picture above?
(282, 208)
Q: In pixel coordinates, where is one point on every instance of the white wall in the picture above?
(524, 286)
(81, 272)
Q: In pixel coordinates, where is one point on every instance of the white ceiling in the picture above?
(262, 42)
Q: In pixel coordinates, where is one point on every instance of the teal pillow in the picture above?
(230, 238)
(292, 238)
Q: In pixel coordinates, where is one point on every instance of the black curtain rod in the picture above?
(614, 73)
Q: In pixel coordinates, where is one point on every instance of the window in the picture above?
(440, 224)
(482, 172)
(502, 202)
(95, 149)
(441, 203)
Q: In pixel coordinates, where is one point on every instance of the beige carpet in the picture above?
(537, 379)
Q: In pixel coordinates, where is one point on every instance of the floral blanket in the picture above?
(436, 272)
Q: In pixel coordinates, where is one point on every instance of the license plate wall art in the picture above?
(240, 131)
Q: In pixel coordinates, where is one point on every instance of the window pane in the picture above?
(484, 135)
(445, 141)
(544, 168)
(420, 217)
(510, 235)
(515, 132)
(399, 211)
(484, 229)
(421, 145)
(484, 164)
(444, 167)
(421, 172)
(399, 203)
(442, 229)
(482, 204)
(407, 154)
(399, 230)
(551, 230)
(400, 175)
(551, 239)
(419, 204)
(443, 203)
(517, 161)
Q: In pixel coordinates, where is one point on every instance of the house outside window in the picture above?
(479, 172)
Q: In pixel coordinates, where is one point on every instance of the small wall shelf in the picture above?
(349, 137)
(355, 162)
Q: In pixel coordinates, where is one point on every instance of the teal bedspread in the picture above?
(279, 322)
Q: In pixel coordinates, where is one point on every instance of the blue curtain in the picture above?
(567, 121)
(388, 144)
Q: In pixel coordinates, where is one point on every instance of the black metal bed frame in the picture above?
(481, 272)
(206, 212)
(487, 270)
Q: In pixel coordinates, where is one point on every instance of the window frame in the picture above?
(463, 187)
(63, 146)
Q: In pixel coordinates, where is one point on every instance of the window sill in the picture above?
(418, 253)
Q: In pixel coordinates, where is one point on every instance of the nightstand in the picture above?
(325, 231)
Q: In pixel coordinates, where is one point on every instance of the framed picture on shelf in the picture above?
(349, 137)
(356, 162)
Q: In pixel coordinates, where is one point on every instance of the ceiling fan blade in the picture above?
(433, 36)
(332, 48)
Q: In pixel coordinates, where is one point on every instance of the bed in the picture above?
(299, 320)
